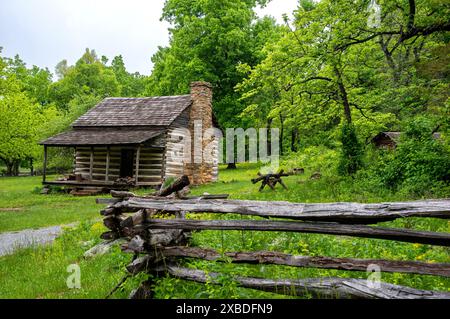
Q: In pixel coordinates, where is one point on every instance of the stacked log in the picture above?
(122, 225)
(128, 223)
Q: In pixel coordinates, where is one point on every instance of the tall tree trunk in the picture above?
(9, 168)
(231, 166)
(16, 167)
(343, 95)
(31, 167)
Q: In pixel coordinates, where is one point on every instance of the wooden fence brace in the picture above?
(270, 179)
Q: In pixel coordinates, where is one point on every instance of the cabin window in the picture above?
(126, 163)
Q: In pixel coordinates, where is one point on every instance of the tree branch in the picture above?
(316, 78)
(360, 109)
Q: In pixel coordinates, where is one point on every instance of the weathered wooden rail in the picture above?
(159, 244)
(346, 213)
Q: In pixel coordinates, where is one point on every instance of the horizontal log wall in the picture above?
(150, 164)
(82, 163)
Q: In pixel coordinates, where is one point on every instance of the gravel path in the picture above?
(11, 241)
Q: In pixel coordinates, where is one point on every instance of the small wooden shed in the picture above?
(386, 140)
(138, 139)
(389, 140)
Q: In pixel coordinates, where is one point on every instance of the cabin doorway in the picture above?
(126, 163)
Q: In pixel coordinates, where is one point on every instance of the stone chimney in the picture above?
(200, 120)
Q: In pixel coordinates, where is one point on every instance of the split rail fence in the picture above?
(158, 245)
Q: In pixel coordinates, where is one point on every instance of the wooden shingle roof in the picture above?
(102, 137)
(147, 111)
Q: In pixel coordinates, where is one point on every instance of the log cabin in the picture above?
(143, 140)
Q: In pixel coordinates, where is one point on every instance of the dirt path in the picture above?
(10, 241)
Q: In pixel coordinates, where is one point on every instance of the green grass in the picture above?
(301, 188)
(41, 272)
(22, 206)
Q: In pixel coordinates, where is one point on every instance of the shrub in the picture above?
(419, 163)
(314, 158)
(351, 155)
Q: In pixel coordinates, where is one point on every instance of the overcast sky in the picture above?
(44, 32)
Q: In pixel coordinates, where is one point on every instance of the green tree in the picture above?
(88, 76)
(34, 81)
(333, 69)
(22, 120)
(209, 40)
(131, 84)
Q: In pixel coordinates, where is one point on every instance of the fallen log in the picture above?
(276, 258)
(176, 186)
(349, 213)
(405, 235)
(317, 287)
(101, 248)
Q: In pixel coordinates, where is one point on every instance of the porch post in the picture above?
(91, 164)
(44, 171)
(107, 164)
(138, 154)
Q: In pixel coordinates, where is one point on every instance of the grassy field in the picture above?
(22, 206)
(41, 272)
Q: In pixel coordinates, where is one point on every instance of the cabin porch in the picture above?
(112, 166)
